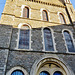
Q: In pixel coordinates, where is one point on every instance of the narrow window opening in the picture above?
(26, 12)
(62, 19)
(48, 41)
(45, 15)
(69, 41)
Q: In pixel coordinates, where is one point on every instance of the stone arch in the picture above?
(17, 68)
(52, 59)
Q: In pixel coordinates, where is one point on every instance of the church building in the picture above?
(37, 37)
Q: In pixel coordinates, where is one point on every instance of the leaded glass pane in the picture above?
(17, 73)
(44, 73)
(48, 40)
(24, 39)
(57, 73)
(69, 41)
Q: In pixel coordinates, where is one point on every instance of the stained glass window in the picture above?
(26, 12)
(24, 38)
(48, 41)
(57, 73)
(62, 18)
(17, 72)
(69, 41)
(44, 73)
(45, 15)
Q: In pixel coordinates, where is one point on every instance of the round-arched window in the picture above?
(62, 19)
(45, 15)
(44, 73)
(17, 72)
(48, 40)
(57, 73)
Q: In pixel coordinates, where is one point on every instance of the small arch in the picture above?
(23, 24)
(17, 72)
(50, 59)
(17, 69)
(24, 36)
(45, 15)
(69, 42)
(26, 11)
(62, 18)
(46, 11)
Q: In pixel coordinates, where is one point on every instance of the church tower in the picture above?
(37, 37)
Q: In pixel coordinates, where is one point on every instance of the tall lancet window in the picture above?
(24, 37)
(62, 19)
(45, 15)
(17, 72)
(48, 41)
(26, 12)
(69, 41)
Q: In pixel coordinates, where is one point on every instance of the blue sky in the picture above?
(2, 4)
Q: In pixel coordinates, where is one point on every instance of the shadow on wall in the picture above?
(62, 1)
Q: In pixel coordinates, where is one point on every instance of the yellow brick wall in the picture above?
(12, 14)
(72, 13)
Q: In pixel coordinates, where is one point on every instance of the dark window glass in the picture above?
(48, 40)
(69, 41)
(44, 73)
(45, 16)
(26, 12)
(17, 73)
(24, 39)
(57, 73)
(62, 18)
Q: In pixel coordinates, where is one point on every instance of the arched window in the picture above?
(45, 15)
(44, 73)
(48, 41)
(67, 1)
(69, 41)
(26, 12)
(17, 72)
(57, 73)
(24, 37)
(62, 19)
